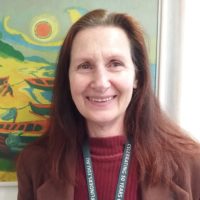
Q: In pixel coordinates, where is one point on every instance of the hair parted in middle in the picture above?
(156, 139)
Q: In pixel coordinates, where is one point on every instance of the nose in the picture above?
(101, 80)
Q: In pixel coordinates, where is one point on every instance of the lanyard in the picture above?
(122, 180)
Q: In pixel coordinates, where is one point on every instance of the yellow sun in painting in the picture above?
(44, 28)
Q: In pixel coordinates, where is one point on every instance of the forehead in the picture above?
(104, 38)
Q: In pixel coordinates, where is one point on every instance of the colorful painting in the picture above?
(31, 34)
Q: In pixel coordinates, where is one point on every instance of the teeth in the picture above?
(100, 99)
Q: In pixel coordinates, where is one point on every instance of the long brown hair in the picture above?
(158, 142)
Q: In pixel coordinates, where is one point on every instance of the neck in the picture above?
(104, 130)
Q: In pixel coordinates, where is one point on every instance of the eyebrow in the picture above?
(91, 58)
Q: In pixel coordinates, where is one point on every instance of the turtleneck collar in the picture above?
(109, 146)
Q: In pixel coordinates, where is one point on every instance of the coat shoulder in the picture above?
(32, 155)
(190, 180)
(194, 169)
(31, 171)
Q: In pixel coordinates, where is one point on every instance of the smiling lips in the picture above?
(101, 99)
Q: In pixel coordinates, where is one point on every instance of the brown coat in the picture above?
(34, 184)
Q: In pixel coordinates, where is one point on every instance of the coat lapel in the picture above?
(158, 192)
(54, 190)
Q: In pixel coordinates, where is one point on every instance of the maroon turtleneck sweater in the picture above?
(106, 154)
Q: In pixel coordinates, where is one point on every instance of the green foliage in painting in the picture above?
(8, 50)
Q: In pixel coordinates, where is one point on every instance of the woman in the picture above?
(108, 138)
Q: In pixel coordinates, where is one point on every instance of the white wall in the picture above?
(169, 56)
(8, 191)
(190, 69)
(179, 80)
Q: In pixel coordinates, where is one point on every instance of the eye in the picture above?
(115, 64)
(84, 66)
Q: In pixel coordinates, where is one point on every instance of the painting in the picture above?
(31, 34)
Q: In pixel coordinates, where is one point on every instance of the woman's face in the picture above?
(102, 74)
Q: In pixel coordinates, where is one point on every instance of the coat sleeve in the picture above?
(25, 186)
(195, 178)
(31, 171)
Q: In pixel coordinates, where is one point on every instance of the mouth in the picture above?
(101, 99)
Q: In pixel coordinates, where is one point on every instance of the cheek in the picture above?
(77, 85)
(75, 91)
(126, 82)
